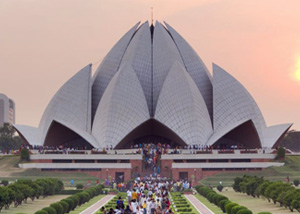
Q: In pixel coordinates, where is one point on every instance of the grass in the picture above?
(291, 169)
(209, 205)
(33, 206)
(86, 205)
(78, 177)
(256, 205)
(194, 210)
(9, 171)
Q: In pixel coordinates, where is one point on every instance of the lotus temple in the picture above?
(152, 87)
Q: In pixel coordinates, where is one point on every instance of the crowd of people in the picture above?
(151, 153)
(147, 196)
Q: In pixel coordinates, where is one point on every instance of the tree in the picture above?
(288, 198)
(25, 156)
(4, 197)
(280, 153)
(18, 194)
(7, 130)
(261, 188)
(8, 140)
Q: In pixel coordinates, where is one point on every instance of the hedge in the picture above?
(69, 191)
(221, 201)
(70, 203)
(41, 212)
(58, 207)
(65, 206)
(237, 208)
(244, 211)
(229, 206)
(50, 210)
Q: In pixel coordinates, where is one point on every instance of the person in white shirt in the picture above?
(148, 206)
(129, 194)
(152, 206)
(141, 210)
(134, 206)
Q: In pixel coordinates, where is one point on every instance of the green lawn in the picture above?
(291, 169)
(256, 205)
(86, 205)
(9, 170)
(33, 206)
(78, 177)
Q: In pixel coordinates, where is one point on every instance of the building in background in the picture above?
(7, 110)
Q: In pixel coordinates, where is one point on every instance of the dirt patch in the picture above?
(9, 165)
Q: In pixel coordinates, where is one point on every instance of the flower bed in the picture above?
(179, 204)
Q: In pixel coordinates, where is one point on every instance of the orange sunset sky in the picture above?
(44, 43)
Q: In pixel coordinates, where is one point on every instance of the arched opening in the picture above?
(244, 136)
(60, 135)
(151, 131)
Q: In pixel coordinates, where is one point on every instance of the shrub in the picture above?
(223, 203)
(58, 207)
(220, 198)
(50, 210)
(70, 203)
(69, 191)
(215, 199)
(244, 211)
(83, 197)
(41, 212)
(79, 186)
(65, 205)
(75, 199)
(24, 155)
(220, 187)
(237, 208)
(280, 153)
(229, 206)
(296, 182)
(4, 182)
(210, 196)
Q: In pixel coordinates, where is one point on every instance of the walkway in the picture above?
(96, 206)
(201, 208)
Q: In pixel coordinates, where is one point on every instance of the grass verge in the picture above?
(209, 205)
(86, 205)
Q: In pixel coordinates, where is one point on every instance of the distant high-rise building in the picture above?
(7, 110)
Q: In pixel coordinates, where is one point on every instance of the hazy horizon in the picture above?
(44, 43)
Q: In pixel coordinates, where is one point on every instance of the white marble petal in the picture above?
(71, 104)
(195, 67)
(181, 107)
(122, 108)
(233, 104)
(109, 67)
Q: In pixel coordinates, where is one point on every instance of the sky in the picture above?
(44, 43)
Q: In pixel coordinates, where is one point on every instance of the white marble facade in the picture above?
(152, 74)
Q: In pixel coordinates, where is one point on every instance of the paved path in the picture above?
(96, 206)
(201, 208)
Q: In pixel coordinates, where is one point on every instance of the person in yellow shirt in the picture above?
(134, 195)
